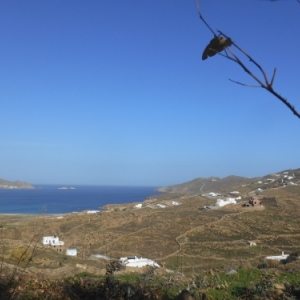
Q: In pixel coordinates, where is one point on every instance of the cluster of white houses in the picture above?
(134, 261)
(130, 261)
(158, 205)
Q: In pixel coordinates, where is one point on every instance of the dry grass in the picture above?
(200, 239)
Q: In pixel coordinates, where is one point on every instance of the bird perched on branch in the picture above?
(217, 44)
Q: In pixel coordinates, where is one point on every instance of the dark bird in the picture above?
(216, 45)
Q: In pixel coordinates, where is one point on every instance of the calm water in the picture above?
(51, 200)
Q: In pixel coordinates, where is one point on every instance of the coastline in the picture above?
(49, 200)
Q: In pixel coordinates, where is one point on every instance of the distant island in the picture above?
(12, 185)
(66, 188)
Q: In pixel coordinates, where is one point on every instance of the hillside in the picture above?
(5, 184)
(195, 241)
(221, 185)
(166, 228)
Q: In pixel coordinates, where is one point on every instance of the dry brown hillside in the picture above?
(180, 237)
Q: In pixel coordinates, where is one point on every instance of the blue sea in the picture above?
(51, 199)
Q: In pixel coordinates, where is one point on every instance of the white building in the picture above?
(221, 202)
(71, 252)
(175, 203)
(161, 205)
(278, 257)
(138, 205)
(52, 240)
(212, 194)
(251, 243)
(138, 262)
(270, 180)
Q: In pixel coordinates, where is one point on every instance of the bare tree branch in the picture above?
(218, 44)
(250, 58)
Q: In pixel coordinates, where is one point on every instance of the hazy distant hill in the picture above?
(203, 185)
(216, 184)
(5, 184)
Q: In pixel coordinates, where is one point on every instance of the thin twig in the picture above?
(245, 84)
(201, 17)
(238, 61)
(273, 77)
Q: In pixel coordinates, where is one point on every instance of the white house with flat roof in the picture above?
(52, 240)
(278, 257)
(71, 252)
(212, 194)
(221, 202)
(137, 262)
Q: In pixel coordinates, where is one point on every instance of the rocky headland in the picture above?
(5, 184)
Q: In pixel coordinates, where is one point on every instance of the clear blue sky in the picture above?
(116, 93)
